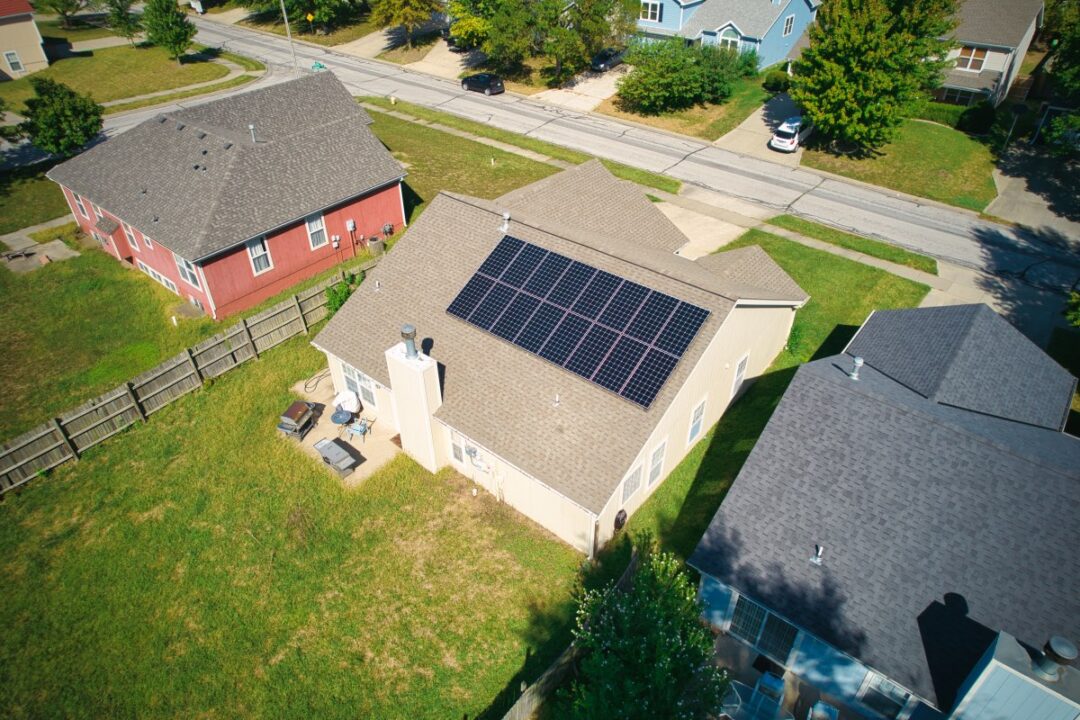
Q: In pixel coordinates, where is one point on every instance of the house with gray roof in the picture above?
(902, 539)
(558, 352)
(992, 37)
(771, 28)
(230, 202)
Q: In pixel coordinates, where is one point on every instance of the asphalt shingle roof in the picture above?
(995, 22)
(752, 266)
(753, 19)
(194, 181)
(572, 448)
(14, 7)
(916, 504)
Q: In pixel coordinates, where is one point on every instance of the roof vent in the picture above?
(205, 151)
(251, 128)
(200, 135)
(506, 222)
(228, 145)
(856, 365)
(819, 552)
(1057, 654)
(180, 126)
(162, 118)
(408, 334)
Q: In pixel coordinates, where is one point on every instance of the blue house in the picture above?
(769, 27)
(901, 542)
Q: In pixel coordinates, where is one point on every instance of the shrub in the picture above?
(670, 75)
(777, 81)
(977, 119)
(336, 296)
(938, 112)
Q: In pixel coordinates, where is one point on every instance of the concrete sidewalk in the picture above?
(234, 71)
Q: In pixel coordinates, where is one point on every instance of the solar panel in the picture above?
(616, 333)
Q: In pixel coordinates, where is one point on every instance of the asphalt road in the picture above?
(1043, 260)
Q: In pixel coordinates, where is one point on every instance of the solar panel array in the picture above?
(616, 333)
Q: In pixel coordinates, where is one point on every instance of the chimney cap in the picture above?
(408, 331)
(1062, 649)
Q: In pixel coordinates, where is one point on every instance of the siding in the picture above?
(672, 17)
(1001, 694)
(774, 47)
(234, 284)
(20, 34)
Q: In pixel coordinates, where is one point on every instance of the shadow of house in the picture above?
(954, 644)
(1051, 178)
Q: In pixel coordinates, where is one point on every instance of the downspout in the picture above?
(206, 289)
(401, 199)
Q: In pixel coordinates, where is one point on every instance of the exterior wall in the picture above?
(994, 691)
(383, 409)
(759, 331)
(18, 33)
(235, 286)
(775, 46)
(672, 17)
(1007, 61)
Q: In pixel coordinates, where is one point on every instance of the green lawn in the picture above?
(866, 246)
(927, 160)
(557, 152)
(28, 198)
(116, 73)
(181, 94)
(704, 121)
(302, 30)
(82, 28)
(843, 292)
(403, 54)
(203, 566)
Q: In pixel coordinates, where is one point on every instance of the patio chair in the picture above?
(361, 427)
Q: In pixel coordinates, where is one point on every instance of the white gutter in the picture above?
(206, 289)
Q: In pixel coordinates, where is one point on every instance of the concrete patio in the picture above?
(371, 451)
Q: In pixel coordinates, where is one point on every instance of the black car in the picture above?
(607, 59)
(484, 82)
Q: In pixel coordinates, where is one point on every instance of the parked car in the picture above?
(607, 59)
(791, 134)
(483, 82)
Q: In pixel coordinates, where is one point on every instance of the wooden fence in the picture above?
(533, 696)
(67, 437)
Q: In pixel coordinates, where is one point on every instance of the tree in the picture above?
(167, 26)
(671, 75)
(869, 62)
(646, 653)
(325, 13)
(125, 23)
(1072, 309)
(65, 8)
(604, 23)
(467, 26)
(511, 36)
(409, 14)
(58, 119)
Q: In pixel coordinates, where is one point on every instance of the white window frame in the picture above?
(130, 235)
(729, 38)
(196, 302)
(79, 204)
(697, 422)
(148, 241)
(965, 64)
(765, 615)
(631, 484)
(319, 220)
(185, 268)
(18, 61)
(361, 384)
(97, 211)
(869, 681)
(650, 11)
(152, 273)
(740, 374)
(789, 25)
(656, 463)
(101, 239)
(261, 243)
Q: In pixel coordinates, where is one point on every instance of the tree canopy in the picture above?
(869, 62)
(64, 8)
(646, 653)
(168, 27)
(58, 119)
(123, 22)
(671, 75)
(407, 14)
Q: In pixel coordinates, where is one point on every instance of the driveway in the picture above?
(1039, 192)
(585, 91)
(443, 62)
(752, 135)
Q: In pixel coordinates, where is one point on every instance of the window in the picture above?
(260, 255)
(13, 61)
(97, 211)
(130, 236)
(747, 620)
(633, 482)
(187, 271)
(696, 421)
(777, 639)
(149, 242)
(195, 301)
(729, 39)
(82, 208)
(740, 375)
(959, 97)
(789, 25)
(157, 276)
(650, 11)
(455, 447)
(971, 58)
(100, 238)
(656, 465)
(316, 230)
(884, 697)
(360, 384)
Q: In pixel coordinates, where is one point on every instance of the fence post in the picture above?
(300, 312)
(135, 401)
(63, 433)
(194, 366)
(247, 334)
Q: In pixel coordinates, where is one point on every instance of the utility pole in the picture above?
(288, 33)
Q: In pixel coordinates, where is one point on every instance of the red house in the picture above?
(231, 202)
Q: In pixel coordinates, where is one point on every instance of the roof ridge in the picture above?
(913, 410)
(947, 370)
(212, 210)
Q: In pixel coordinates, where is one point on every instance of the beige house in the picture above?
(992, 39)
(20, 41)
(566, 359)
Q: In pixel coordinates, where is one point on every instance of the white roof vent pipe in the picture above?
(408, 335)
(251, 128)
(819, 552)
(506, 223)
(1057, 654)
(856, 365)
